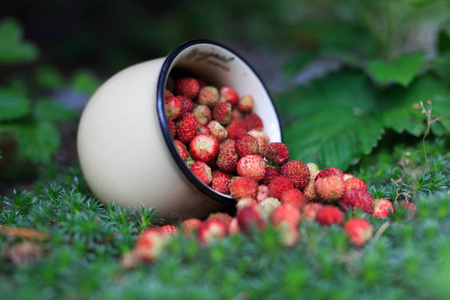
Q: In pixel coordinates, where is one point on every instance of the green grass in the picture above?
(80, 258)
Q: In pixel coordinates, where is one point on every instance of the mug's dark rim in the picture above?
(163, 75)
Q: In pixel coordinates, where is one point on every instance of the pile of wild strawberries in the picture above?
(222, 141)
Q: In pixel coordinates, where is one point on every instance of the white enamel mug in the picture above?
(125, 149)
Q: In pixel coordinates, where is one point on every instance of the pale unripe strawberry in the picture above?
(243, 202)
(263, 192)
(313, 170)
(217, 130)
(288, 234)
(268, 205)
(202, 113)
(208, 95)
(330, 188)
(173, 108)
(246, 104)
(252, 166)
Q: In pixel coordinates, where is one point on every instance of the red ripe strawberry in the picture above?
(330, 188)
(252, 166)
(203, 129)
(247, 145)
(233, 228)
(288, 234)
(253, 122)
(188, 87)
(236, 114)
(204, 147)
(329, 215)
(297, 172)
(236, 128)
(224, 217)
(187, 127)
(202, 171)
(188, 105)
(228, 143)
(328, 172)
(262, 138)
(355, 183)
(221, 181)
(172, 128)
(310, 210)
(250, 219)
(169, 229)
(337, 171)
(150, 244)
(263, 193)
(227, 159)
(217, 130)
(202, 113)
(208, 95)
(173, 108)
(181, 148)
(285, 213)
(244, 187)
(381, 207)
(359, 231)
(246, 104)
(222, 113)
(276, 153)
(211, 231)
(190, 226)
(278, 185)
(229, 95)
(167, 93)
(271, 174)
(357, 198)
(294, 197)
(412, 208)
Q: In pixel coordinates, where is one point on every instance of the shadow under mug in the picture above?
(125, 149)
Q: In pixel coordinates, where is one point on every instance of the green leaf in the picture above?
(296, 63)
(13, 105)
(54, 111)
(84, 81)
(401, 70)
(38, 140)
(13, 49)
(49, 77)
(441, 66)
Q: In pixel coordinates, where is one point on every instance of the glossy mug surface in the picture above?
(124, 146)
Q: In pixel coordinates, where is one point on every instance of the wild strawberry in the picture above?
(243, 202)
(313, 170)
(203, 129)
(190, 226)
(172, 128)
(236, 114)
(271, 174)
(221, 181)
(288, 234)
(246, 104)
(208, 95)
(244, 187)
(211, 231)
(228, 143)
(337, 171)
(222, 113)
(201, 82)
(173, 108)
(297, 172)
(285, 213)
(357, 198)
(236, 128)
(229, 95)
(169, 229)
(247, 145)
(188, 87)
(250, 219)
(217, 130)
(359, 231)
(227, 159)
(167, 94)
(188, 105)
(310, 210)
(268, 205)
(262, 138)
(310, 191)
(411, 208)
(151, 243)
(327, 172)
(263, 192)
(329, 215)
(381, 208)
(233, 228)
(253, 122)
(204, 147)
(293, 196)
(181, 149)
(354, 183)
(276, 153)
(252, 166)
(330, 188)
(187, 127)
(347, 176)
(224, 217)
(202, 171)
(189, 161)
(278, 185)
(202, 113)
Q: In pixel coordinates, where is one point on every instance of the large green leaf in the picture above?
(13, 105)
(401, 70)
(53, 111)
(13, 49)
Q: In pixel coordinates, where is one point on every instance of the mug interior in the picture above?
(218, 66)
